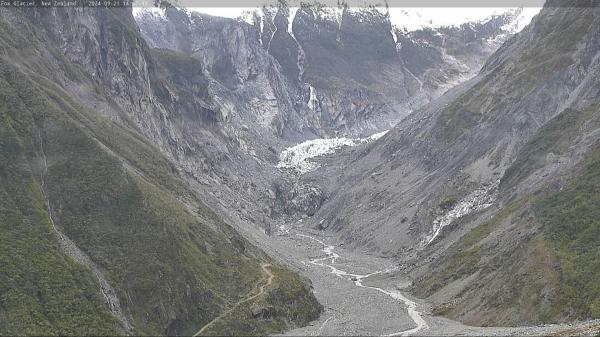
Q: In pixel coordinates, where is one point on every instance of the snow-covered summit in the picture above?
(406, 19)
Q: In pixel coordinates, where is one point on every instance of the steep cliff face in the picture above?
(369, 74)
(241, 72)
(474, 189)
(223, 143)
(290, 74)
(325, 70)
(101, 232)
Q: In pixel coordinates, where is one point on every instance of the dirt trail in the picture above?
(261, 290)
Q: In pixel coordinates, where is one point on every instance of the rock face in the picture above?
(292, 74)
(263, 313)
(152, 136)
(317, 70)
(521, 137)
(104, 144)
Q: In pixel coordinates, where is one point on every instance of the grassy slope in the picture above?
(547, 277)
(571, 218)
(554, 137)
(286, 302)
(42, 292)
(524, 273)
(120, 200)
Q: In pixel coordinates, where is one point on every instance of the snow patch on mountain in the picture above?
(153, 12)
(394, 36)
(334, 14)
(406, 19)
(313, 100)
(477, 200)
(411, 19)
(261, 25)
(297, 158)
(292, 15)
(523, 18)
(301, 55)
(245, 14)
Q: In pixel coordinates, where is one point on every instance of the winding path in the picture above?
(261, 291)
(414, 314)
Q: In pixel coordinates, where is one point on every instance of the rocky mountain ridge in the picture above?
(97, 200)
(470, 191)
(141, 138)
(317, 66)
(259, 75)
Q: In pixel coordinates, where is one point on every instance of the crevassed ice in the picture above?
(297, 158)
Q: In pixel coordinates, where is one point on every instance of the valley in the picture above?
(300, 170)
(368, 295)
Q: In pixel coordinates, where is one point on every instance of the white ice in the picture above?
(297, 158)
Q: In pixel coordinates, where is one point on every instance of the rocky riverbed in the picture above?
(361, 293)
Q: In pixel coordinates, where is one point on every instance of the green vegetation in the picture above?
(559, 38)
(286, 304)
(164, 261)
(510, 285)
(571, 218)
(461, 264)
(561, 257)
(466, 259)
(174, 263)
(483, 231)
(554, 137)
(456, 120)
(42, 292)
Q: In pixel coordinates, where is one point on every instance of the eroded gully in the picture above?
(72, 250)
